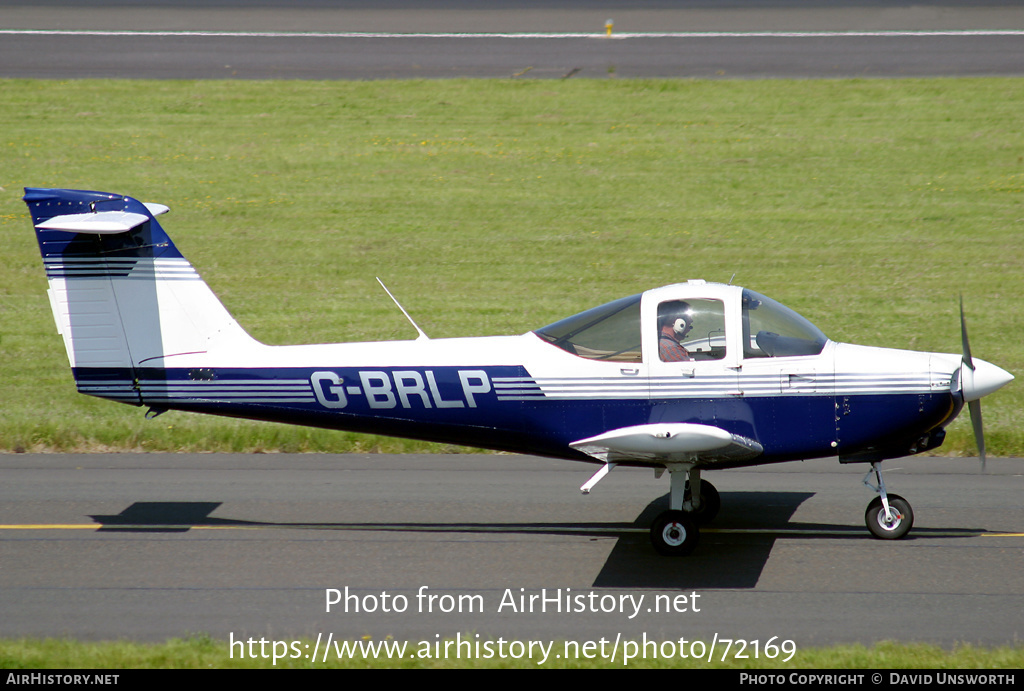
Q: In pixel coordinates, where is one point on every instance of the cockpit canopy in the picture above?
(770, 329)
(609, 332)
(614, 331)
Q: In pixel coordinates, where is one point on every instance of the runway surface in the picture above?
(409, 39)
(153, 546)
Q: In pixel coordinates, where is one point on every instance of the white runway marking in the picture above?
(601, 36)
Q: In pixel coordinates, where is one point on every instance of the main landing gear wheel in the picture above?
(899, 523)
(710, 503)
(674, 534)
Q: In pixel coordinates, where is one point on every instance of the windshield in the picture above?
(609, 332)
(770, 329)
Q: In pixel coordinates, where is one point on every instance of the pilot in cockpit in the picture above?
(675, 319)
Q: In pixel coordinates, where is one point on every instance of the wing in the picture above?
(669, 442)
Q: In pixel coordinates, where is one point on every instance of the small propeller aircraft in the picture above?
(685, 378)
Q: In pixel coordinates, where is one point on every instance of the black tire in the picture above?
(710, 503)
(901, 524)
(674, 534)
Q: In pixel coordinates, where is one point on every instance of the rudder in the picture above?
(122, 295)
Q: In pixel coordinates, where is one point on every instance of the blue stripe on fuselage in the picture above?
(472, 406)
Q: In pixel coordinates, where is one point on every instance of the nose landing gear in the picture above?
(888, 516)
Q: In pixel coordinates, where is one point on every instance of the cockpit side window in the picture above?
(770, 329)
(609, 332)
(691, 329)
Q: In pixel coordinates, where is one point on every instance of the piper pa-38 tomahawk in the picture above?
(684, 378)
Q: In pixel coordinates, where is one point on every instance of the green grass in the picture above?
(499, 206)
(204, 652)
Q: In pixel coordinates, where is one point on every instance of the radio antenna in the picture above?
(422, 336)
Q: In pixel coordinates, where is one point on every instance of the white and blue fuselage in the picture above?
(689, 375)
(141, 327)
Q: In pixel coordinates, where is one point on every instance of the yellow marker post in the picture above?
(608, 25)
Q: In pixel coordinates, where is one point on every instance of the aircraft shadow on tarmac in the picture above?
(732, 553)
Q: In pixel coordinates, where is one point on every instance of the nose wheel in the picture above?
(889, 516)
(894, 525)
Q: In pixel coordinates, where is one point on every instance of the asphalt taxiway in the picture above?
(313, 39)
(150, 546)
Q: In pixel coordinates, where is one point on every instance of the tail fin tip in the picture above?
(121, 293)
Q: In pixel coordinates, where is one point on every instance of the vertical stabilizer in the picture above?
(122, 295)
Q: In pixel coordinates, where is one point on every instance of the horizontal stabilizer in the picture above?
(101, 222)
(669, 442)
(123, 297)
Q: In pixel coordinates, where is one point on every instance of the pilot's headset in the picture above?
(669, 312)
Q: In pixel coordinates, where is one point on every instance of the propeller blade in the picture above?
(979, 432)
(978, 379)
(968, 360)
(973, 406)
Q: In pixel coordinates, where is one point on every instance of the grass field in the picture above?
(499, 206)
(202, 652)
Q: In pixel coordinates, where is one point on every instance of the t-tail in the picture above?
(122, 295)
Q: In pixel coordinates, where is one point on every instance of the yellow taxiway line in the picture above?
(465, 528)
